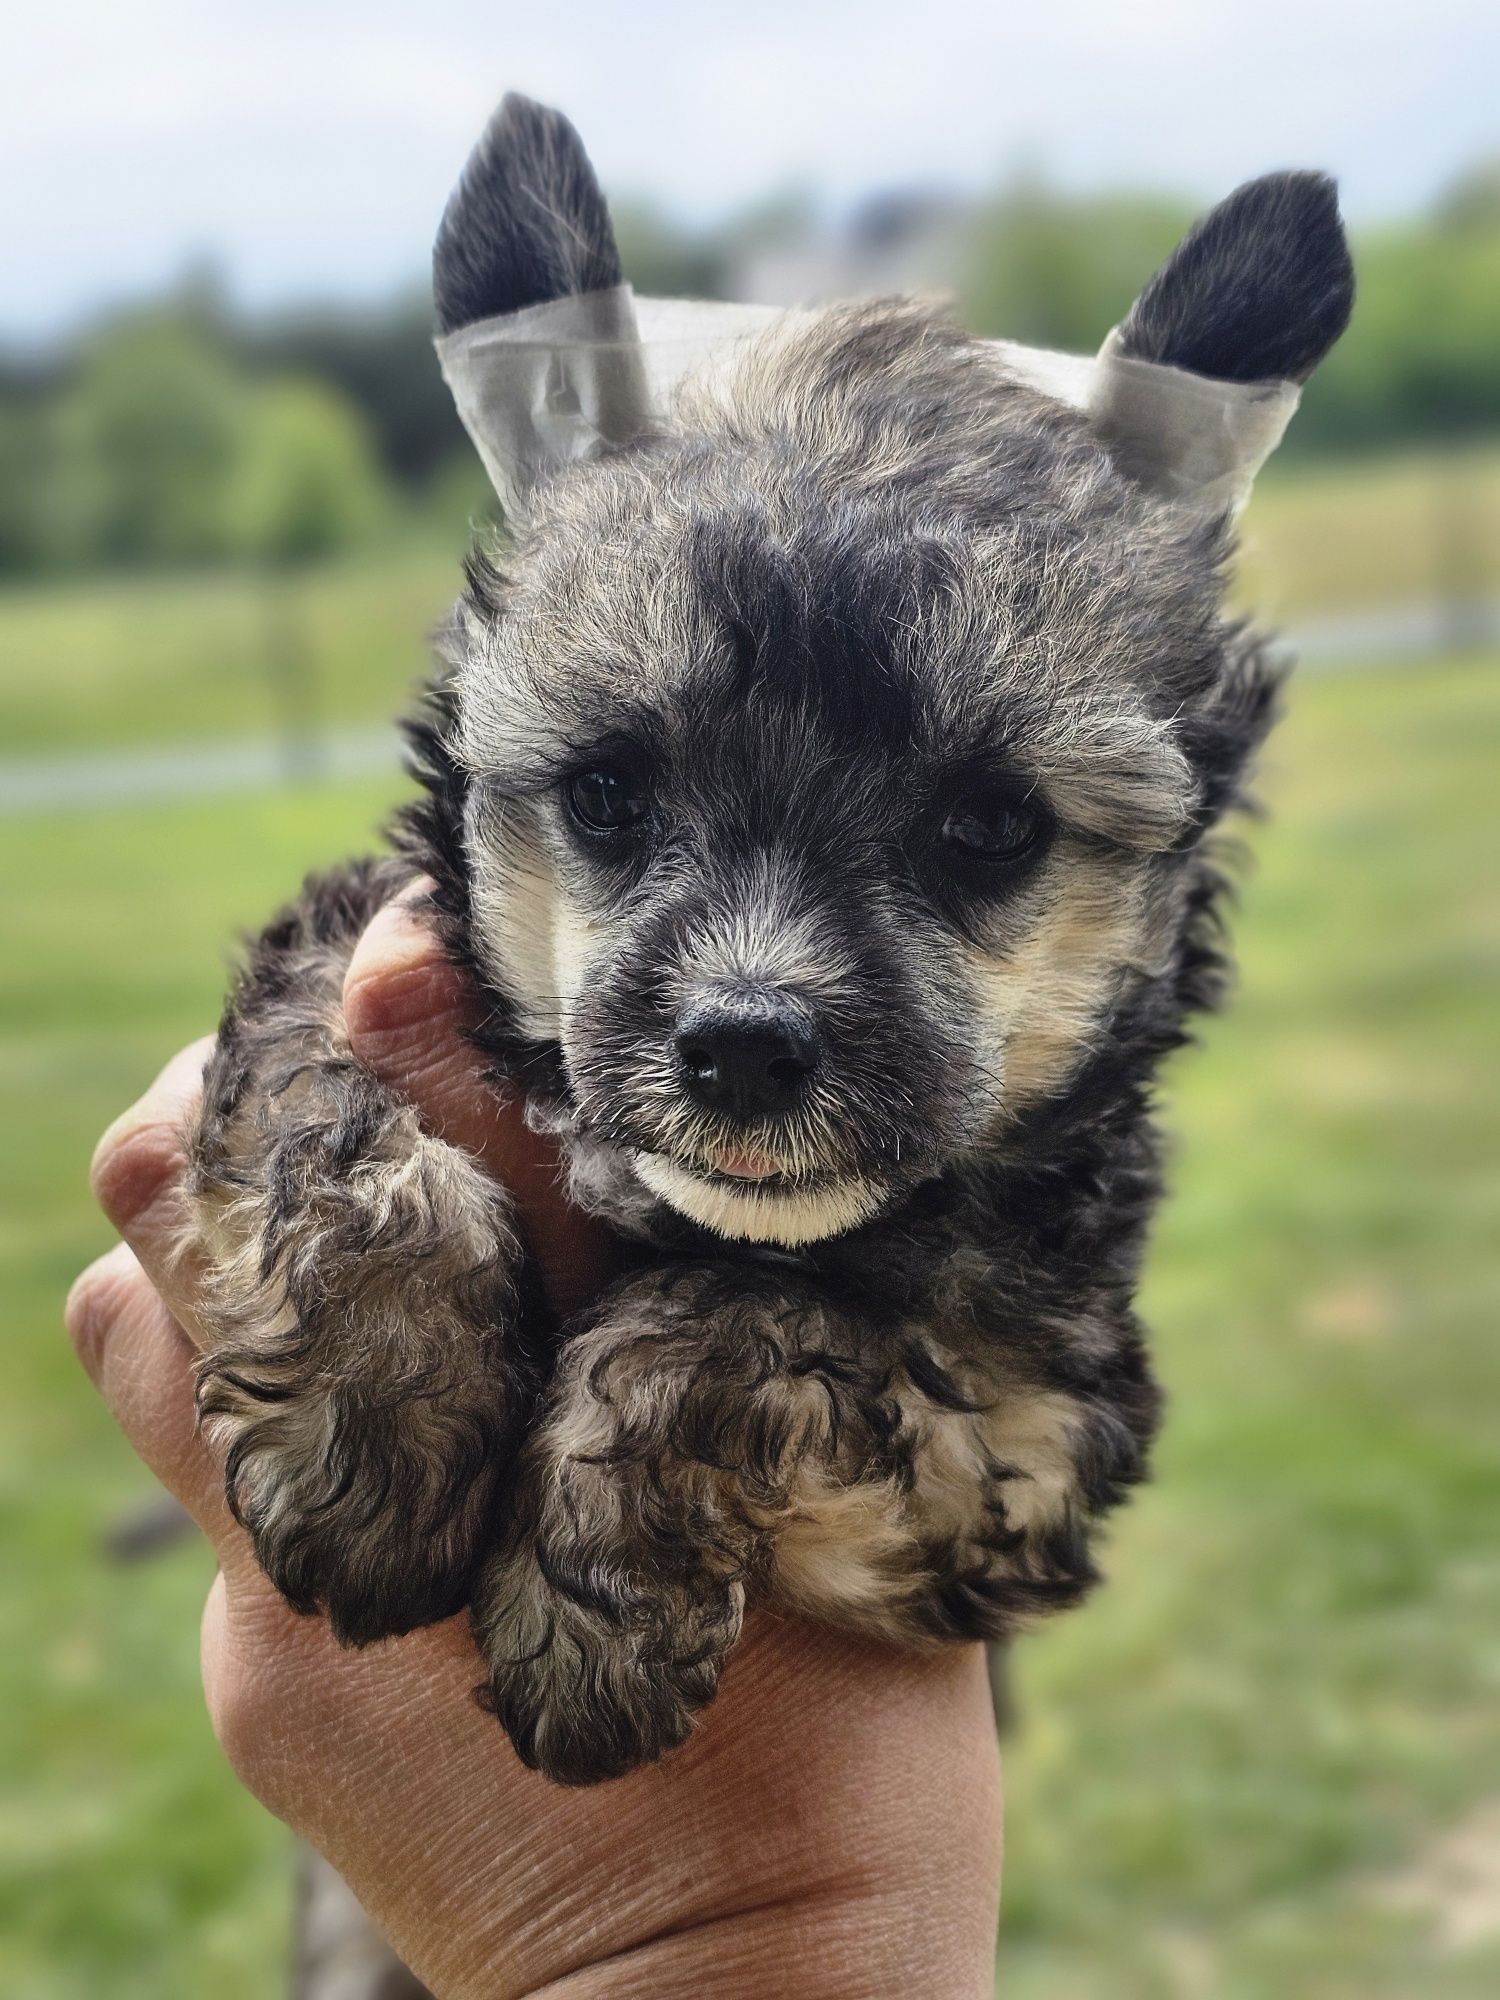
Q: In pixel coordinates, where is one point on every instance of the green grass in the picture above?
(111, 663)
(1291, 1691)
(1324, 538)
(130, 1862)
(1233, 1765)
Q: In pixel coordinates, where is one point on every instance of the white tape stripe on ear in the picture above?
(539, 388)
(554, 383)
(1194, 440)
(1191, 439)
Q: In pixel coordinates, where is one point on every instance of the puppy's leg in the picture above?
(648, 1500)
(989, 1530)
(360, 1285)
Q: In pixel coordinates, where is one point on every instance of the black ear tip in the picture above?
(526, 222)
(1299, 210)
(1259, 289)
(1309, 205)
(1299, 207)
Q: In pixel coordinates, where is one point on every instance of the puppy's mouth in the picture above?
(745, 1192)
(748, 1185)
(753, 1171)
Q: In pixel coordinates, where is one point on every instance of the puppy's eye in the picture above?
(606, 800)
(993, 826)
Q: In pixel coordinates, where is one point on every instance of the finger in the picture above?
(141, 1362)
(138, 1174)
(407, 1007)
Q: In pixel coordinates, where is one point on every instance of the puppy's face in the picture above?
(832, 765)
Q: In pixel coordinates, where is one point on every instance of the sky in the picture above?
(308, 145)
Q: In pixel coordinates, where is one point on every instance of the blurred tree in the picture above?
(459, 500)
(149, 430)
(1060, 270)
(29, 488)
(381, 360)
(1421, 359)
(306, 481)
(786, 215)
(306, 485)
(664, 259)
(1474, 198)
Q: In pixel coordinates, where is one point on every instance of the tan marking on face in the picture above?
(528, 926)
(1043, 1002)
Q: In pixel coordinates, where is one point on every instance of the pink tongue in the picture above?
(747, 1166)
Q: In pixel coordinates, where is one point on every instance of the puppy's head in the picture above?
(837, 749)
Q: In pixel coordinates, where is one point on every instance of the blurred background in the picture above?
(233, 496)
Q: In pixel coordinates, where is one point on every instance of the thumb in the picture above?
(407, 1007)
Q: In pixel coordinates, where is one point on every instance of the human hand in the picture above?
(831, 1829)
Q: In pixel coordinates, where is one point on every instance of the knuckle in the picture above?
(401, 983)
(248, 1713)
(92, 1308)
(240, 1717)
(387, 1006)
(134, 1164)
(259, 1687)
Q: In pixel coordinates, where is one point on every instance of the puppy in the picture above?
(819, 787)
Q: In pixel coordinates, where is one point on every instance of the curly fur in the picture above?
(897, 1383)
(360, 1294)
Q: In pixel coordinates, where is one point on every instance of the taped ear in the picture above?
(536, 333)
(551, 359)
(1195, 389)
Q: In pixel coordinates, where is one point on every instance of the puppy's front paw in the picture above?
(589, 1682)
(373, 1514)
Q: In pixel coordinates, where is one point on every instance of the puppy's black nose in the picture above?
(750, 1055)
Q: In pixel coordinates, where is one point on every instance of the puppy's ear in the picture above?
(526, 223)
(1193, 392)
(1258, 291)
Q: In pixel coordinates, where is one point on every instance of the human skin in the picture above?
(833, 1826)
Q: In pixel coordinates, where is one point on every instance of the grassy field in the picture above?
(110, 663)
(1267, 1761)
(115, 662)
(1322, 538)
(1259, 1764)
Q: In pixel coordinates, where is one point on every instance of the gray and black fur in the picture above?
(920, 716)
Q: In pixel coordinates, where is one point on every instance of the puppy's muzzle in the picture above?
(749, 1054)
